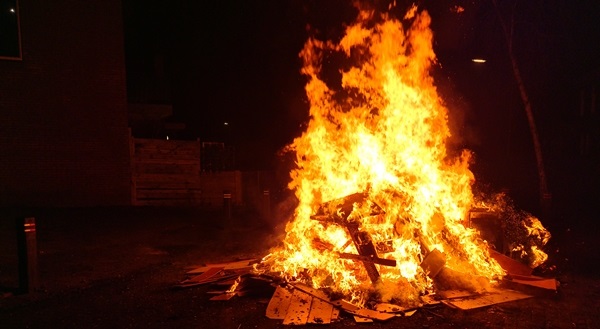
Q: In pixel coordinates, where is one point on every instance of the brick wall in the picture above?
(63, 115)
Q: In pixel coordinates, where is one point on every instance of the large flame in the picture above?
(382, 132)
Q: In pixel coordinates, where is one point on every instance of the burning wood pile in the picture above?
(383, 221)
(376, 146)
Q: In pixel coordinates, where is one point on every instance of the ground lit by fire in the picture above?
(373, 168)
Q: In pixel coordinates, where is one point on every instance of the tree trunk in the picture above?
(545, 196)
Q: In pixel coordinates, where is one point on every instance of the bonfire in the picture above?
(383, 204)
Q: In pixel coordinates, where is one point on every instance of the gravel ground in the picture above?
(115, 268)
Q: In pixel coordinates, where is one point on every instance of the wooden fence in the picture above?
(168, 173)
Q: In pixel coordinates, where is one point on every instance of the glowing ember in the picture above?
(380, 136)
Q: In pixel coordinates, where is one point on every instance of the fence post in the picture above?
(27, 252)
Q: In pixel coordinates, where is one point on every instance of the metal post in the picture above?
(266, 204)
(27, 251)
(227, 204)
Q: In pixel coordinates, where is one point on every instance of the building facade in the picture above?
(64, 138)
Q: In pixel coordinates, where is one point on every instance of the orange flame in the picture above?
(382, 133)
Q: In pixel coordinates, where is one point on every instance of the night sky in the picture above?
(237, 62)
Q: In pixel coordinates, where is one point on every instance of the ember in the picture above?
(383, 205)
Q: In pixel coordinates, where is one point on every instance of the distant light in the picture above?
(457, 9)
(226, 123)
(12, 10)
(478, 60)
(167, 137)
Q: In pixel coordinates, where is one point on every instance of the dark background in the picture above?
(237, 62)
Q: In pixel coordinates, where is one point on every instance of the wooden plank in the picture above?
(158, 156)
(299, 309)
(166, 148)
(390, 308)
(496, 297)
(167, 160)
(360, 319)
(158, 153)
(511, 266)
(320, 312)
(536, 281)
(312, 291)
(165, 178)
(213, 275)
(168, 194)
(225, 296)
(158, 168)
(240, 264)
(279, 304)
(166, 203)
(172, 200)
(153, 142)
(168, 185)
(345, 305)
(166, 145)
(363, 312)
(182, 190)
(429, 299)
(335, 314)
(450, 294)
(208, 276)
(373, 314)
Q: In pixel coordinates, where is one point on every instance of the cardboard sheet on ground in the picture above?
(511, 266)
(279, 304)
(295, 306)
(496, 297)
(536, 281)
(320, 312)
(299, 308)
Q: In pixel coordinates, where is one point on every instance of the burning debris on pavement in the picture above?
(387, 220)
(383, 204)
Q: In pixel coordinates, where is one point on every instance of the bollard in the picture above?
(266, 204)
(546, 204)
(27, 252)
(227, 204)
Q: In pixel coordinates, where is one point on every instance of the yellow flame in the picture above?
(382, 133)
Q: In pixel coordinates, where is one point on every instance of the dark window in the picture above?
(10, 39)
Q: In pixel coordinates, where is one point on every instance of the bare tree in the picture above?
(508, 30)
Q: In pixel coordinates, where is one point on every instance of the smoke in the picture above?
(449, 279)
(401, 290)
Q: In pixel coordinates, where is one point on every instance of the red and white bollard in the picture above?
(27, 252)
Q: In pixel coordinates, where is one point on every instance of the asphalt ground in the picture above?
(116, 268)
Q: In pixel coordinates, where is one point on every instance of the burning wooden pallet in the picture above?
(338, 212)
(295, 303)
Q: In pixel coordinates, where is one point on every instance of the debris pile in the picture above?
(295, 303)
